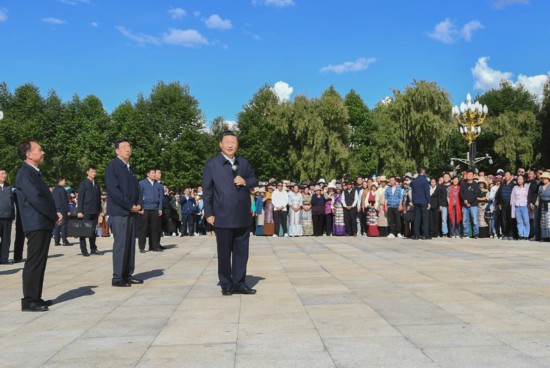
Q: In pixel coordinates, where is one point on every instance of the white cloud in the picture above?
(276, 3)
(74, 2)
(185, 38)
(140, 38)
(283, 90)
(177, 13)
(469, 29)
(499, 4)
(3, 15)
(448, 32)
(52, 20)
(231, 124)
(349, 66)
(94, 24)
(216, 22)
(486, 78)
(196, 13)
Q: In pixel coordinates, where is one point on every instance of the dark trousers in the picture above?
(233, 247)
(394, 220)
(38, 244)
(60, 231)
(187, 224)
(329, 218)
(19, 243)
(93, 246)
(5, 233)
(318, 221)
(421, 217)
(350, 221)
(124, 246)
(506, 219)
(362, 221)
(434, 221)
(279, 218)
(149, 226)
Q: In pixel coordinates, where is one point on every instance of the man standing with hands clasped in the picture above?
(39, 217)
(226, 181)
(123, 205)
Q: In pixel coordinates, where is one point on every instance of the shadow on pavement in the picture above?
(252, 280)
(149, 274)
(10, 272)
(75, 293)
(170, 246)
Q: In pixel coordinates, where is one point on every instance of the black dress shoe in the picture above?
(96, 252)
(32, 306)
(142, 251)
(121, 284)
(67, 244)
(6, 262)
(47, 303)
(156, 250)
(133, 280)
(17, 260)
(86, 254)
(245, 289)
(57, 244)
(162, 248)
(227, 292)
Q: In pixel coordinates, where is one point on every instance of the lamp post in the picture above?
(470, 116)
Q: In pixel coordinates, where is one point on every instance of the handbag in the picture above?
(81, 228)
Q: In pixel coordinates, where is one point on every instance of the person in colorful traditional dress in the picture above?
(260, 212)
(295, 212)
(544, 206)
(455, 208)
(372, 213)
(307, 219)
(339, 226)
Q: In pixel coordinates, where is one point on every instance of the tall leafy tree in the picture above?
(362, 128)
(512, 129)
(544, 119)
(262, 139)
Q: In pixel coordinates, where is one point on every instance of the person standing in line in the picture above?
(435, 196)
(279, 198)
(519, 203)
(444, 204)
(149, 219)
(420, 189)
(7, 215)
(351, 198)
(226, 181)
(124, 203)
(295, 212)
(393, 202)
(61, 200)
(89, 207)
(544, 203)
(19, 242)
(188, 205)
(502, 198)
(39, 217)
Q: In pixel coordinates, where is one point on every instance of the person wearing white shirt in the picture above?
(279, 198)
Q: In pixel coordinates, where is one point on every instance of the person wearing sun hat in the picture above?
(339, 226)
(381, 208)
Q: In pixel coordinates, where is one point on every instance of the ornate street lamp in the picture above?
(470, 116)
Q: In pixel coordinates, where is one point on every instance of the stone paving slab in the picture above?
(321, 302)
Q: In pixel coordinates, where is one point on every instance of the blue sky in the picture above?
(225, 50)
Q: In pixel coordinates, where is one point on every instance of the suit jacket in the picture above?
(35, 201)
(61, 199)
(122, 189)
(89, 197)
(221, 197)
(188, 205)
(420, 188)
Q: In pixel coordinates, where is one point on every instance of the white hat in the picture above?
(321, 181)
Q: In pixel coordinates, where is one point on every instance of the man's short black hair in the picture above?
(119, 141)
(3, 169)
(228, 133)
(419, 169)
(91, 167)
(23, 149)
(60, 179)
(151, 168)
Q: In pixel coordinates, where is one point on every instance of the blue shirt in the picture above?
(395, 198)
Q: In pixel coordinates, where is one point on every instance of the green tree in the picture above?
(544, 118)
(512, 130)
(360, 122)
(262, 139)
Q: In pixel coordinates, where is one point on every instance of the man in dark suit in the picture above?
(38, 216)
(123, 204)
(89, 207)
(226, 182)
(188, 205)
(420, 187)
(61, 200)
(149, 219)
(7, 215)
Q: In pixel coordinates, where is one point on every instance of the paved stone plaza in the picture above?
(321, 302)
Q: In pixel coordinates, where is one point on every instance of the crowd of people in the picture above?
(502, 206)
